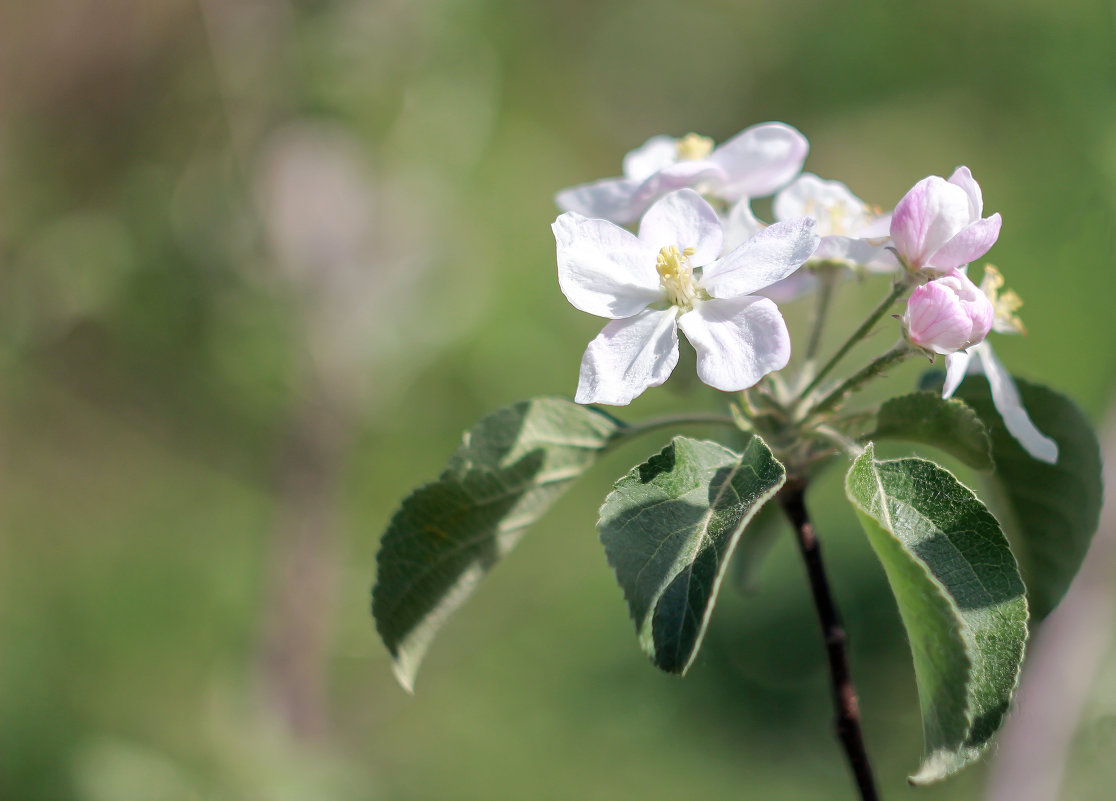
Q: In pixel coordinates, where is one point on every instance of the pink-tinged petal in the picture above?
(682, 175)
(769, 256)
(796, 285)
(928, 216)
(969, 245)
(603, 269)
(935, 319)
(1005, 397)
(963, 178)
(683, 219)
(629, 356)
(760, 160)
(650, 157)
(741, 225)
(610, 199)
(957, 364)
(738, 341)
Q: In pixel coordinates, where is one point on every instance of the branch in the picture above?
(792, 498)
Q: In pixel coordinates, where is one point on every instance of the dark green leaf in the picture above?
(510, 467)
(1050, 512)
(959, 594)
(669, 528)
(947, 424)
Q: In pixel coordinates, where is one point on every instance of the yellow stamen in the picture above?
(676, 276)
(693, 147)
(1005, 304)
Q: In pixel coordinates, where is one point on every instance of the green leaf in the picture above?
(947, 424)
(960, 597)
(447, 535)
(669, 528)
(1050, 512)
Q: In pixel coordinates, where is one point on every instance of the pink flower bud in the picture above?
(937, 225)
(948, 314)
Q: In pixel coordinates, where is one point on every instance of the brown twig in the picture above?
(792, 498)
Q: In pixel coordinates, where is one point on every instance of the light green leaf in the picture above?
(447, 535)
(669, 528)
(1049, 512)
(947, 424)
(960, 597)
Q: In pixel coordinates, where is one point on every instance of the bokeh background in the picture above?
(261, 261)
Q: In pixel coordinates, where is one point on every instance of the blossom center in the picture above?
(676, 276)
(693, 147)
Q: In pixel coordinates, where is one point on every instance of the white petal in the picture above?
(927, 217)
(963, 178)
(610, 199)
(741, 225)
(603, 269)
(769, 256)
(837, 210)
(629, 356)
(650, 157)
(674, 176)
(685, 220)
(738, 340)
(760, 160)
(1005, 397)
(856, 251)
(957, 364)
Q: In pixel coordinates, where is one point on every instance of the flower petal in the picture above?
(769, 256)
(957, 364)
(963, 178)
(650, 157)
(741, 225)
(738, 340)
(759, 160)
(603, 269)
(685, 220)
(675, 176)
(837, 210)
(628, 356)
(1005, 397)
(609, 199)
(928, 216)
(969, 245)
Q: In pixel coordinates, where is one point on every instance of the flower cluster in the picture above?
(700, 261)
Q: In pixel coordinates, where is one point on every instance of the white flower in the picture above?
(754, 163)
(1005, 395)
(851, 232)
(670, 277)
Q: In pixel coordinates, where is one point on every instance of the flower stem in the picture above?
(667, 421)
(793, 500)
(901, 285)
(828, 275)
(902, 350)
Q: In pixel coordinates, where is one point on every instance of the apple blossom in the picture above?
(851, 232)
(754, 163)
(948, 315)
(670, 276)
(1005, 395)
(937, 225)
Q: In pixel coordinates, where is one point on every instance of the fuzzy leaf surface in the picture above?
(947, 424)
(669, 528)
(447, 535)
(959, 595)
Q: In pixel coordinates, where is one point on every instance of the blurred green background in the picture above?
(262, 262)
